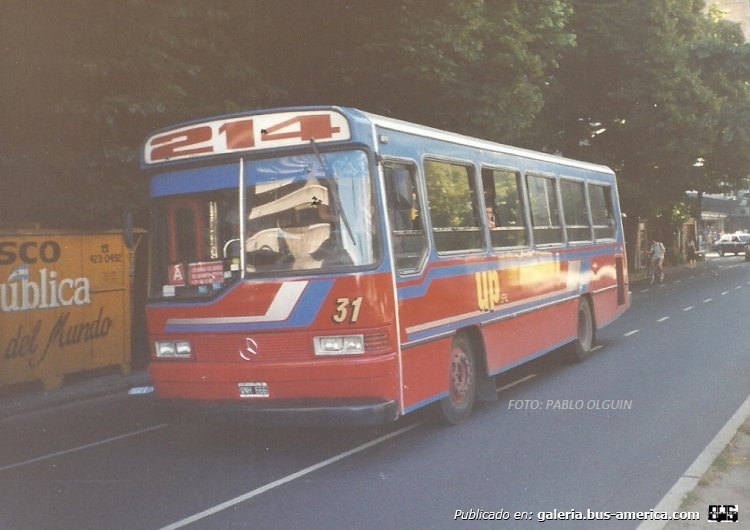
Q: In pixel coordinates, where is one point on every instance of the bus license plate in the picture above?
(253, 390)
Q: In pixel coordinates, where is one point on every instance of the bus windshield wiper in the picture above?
(335, 189)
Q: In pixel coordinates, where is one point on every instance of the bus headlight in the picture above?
(173, 349)
(340, 345)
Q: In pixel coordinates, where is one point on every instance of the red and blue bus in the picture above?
(328, 265)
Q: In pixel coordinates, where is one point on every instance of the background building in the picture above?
(736, 11)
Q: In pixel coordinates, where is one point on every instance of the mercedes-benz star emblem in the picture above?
(251, 348)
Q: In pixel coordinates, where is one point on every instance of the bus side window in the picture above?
(502, 192)
(453, 206)
(545, 214)
(574, 208)
(405, 215)
(602, 214)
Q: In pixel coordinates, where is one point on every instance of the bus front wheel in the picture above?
(462, 382)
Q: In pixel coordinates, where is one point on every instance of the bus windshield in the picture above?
(306, 213)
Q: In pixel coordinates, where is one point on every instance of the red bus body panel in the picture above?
(282, 333)
(524, 304)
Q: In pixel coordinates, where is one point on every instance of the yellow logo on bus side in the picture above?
(488, 289)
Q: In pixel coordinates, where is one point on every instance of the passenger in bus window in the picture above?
(489, 199)
(490, 217)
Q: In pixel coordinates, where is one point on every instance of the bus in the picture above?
(330, 266)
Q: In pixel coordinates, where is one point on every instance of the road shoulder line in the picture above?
(672, 501)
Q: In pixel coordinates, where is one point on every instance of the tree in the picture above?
(645, 92)
(90, 81)
(723, 60)
(472, 66)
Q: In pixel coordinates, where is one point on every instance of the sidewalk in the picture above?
(28, 398)
(726, 482)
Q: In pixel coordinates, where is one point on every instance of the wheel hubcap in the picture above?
(461, 375)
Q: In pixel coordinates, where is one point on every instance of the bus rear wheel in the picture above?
(462, 382)
(585, 333)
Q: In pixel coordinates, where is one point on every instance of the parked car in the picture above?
(747, 251)
(732, 244)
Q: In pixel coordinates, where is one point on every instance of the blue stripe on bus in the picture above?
(482, 318)
(303, 315)
(450, 271)
(209, 178)
(425, 402)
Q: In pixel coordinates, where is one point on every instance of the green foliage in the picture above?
(91, 80)
(640, 94)
(656, 89)
(449, 195)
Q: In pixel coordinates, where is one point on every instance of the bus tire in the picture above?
(462, 382)
(585, 331)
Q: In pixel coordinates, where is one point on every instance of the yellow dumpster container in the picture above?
(64, 304)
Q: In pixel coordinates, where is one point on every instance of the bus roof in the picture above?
(469, 141)
(256, 130)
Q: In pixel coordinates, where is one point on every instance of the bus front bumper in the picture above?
(280, 413)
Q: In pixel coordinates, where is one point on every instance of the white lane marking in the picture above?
(707, 300)
(629, 333)
(662, 319)
(672, 501)
(688, 308)
(514, 383)
(678, 281)
(739, 287)
(724, 293)
(289, 478)
(82, 447)
(644, 290)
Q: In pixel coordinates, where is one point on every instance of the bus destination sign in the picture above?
(247, 133)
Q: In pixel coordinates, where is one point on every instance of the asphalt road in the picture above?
(611, 434)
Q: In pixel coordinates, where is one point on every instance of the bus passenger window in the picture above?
(574, 208)
(502, 193)
(545, 215)
(602, 214)
(453, 206)
(405, 215)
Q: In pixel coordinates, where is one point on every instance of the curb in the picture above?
(690, 481)
(27, 399)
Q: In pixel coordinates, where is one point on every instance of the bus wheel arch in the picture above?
(583, 345)
(468, 381)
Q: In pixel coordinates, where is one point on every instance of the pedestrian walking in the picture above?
(691, 251)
